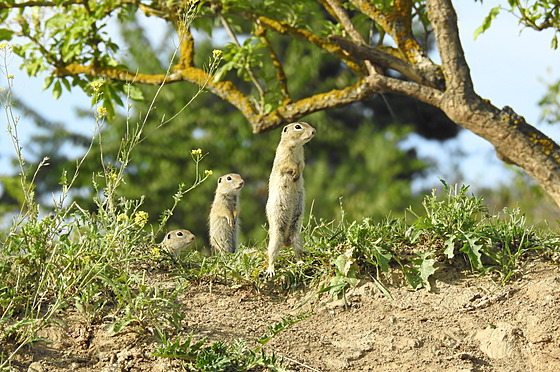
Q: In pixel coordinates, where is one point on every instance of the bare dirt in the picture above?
(463, 324)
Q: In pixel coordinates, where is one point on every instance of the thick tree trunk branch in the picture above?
(455, 69)
(514, 139)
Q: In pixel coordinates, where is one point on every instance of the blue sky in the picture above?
(508, 66)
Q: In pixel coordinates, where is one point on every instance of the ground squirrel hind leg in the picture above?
(274, 246)
(297, 245)
(295, 233)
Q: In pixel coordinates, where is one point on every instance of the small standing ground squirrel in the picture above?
(178, 241)
(284, 208)
(223, 220)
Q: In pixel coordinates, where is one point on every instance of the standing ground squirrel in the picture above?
(223, 223)
(284, 208)
(178, 241)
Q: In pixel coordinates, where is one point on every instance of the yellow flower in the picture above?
(122, 217)
(208, 172)
(102, 111)
(140, 218)
(196, 152)
(97, 84)
(113, 176)
(11, 76)
(155, 252)
(216, 53)
(3, 45)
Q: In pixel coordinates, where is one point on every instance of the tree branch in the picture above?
(280, 74)
(294, 111)
(26, 4)
(284, 28)
(366, 52)
(385, 84)
(515, 140)
(225, 90)
(340, 14)
(455, 69)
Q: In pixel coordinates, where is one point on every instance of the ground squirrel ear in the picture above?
(285, 128)
(220, 180)
(169, 236)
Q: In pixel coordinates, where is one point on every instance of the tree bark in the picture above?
(514, 139)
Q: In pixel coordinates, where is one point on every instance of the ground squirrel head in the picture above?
(297, 134)
(179, 239)
(229, 184)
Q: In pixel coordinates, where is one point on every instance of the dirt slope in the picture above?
(464, 324)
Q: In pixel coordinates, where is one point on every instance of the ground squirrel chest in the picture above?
(289, 160)
(223, 220)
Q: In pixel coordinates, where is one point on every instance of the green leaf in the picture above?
(48, 82)
(423, 270)
(426, 268)
(110, 106)
(57, 89)
(487, 21)
(382, 288)
(450, 246)
(66, 84)
(6, 34)
(473, 251)
(134, 92)
(58, 21)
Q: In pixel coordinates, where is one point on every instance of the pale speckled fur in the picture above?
(223, 220)
(178, 241)
(286, 194)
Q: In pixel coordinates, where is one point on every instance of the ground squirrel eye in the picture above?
(229, 178)
(297, 126)
(179, 233)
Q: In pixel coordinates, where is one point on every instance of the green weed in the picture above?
(223, 356)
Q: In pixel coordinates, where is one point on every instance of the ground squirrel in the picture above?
(177, 241)
(223, 222)
(284, 208)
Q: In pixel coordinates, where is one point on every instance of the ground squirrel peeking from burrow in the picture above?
(223, 221)
(177, 242)
(286, 194)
